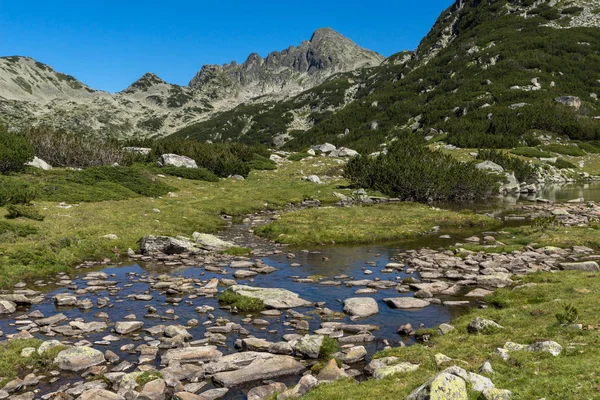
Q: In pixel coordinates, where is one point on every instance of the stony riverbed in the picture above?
(158, 313)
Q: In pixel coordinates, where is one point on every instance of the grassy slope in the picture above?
(528, 315)
(68, 236)
(364, 224)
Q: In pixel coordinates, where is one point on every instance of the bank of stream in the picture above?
(326, 275)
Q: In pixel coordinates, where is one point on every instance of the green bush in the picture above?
(413, 172)
(14, 152)
(531, 152)
(18, 230)
(524, 172)
(101, 184)
(589, 147)
(328, 348)
(298, 156)
(242, 303)
(222, 159)
(565, 150)
(63, 149)
(261, 163)
(570, 315)
(23, 211)
(561, 163)
(15, 192)
(197, 174)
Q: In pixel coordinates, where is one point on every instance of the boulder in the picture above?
(266, 391)
(443, 386)
(361, 306)
(571, 101)
(309, 346)
(191, 354)
(379, 368)
(306, 384)
(125, 327)
(489, 166)
(331, 372)
(580, 266)
(175, 160)
(324, 148)
(406, 302)
(260, 369)
(154, 390)
(272, 297)
(100, 394)
(39, 164)
(211, 242)
(7, 307)
(166, 245)
(78, 358)
(480, 324)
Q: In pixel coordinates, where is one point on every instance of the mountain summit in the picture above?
(286, 72)
(32, 93)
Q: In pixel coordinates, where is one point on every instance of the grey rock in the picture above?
(406, 302)
(480, 324)
(361, 306)
(260, 369)
(78, 358)
(175, 160)
(272, 297)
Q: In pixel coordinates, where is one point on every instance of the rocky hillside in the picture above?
(489, 74)
(32, 93)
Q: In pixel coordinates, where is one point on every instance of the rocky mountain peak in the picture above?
(147, 80)
(287, 72)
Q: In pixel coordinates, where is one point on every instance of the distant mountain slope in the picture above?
(486, 75)
(32, 93)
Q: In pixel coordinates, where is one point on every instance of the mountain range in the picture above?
(490, 73)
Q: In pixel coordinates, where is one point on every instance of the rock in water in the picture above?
(406, 302)
(78, 358)
(361, 306)
(260, 369)
(272, 297)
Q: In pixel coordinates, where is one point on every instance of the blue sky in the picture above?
(109, 44)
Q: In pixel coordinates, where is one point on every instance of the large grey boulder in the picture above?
(175, 160)
(260, 369)
(272, 297)
(361, 306)
(309, 346)
(324, 148)
(39, 164)
(489, 166)
(406, 302)
(78, 358)
(191, 354)
(125, 327)
(211, 242)
(166, 245)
